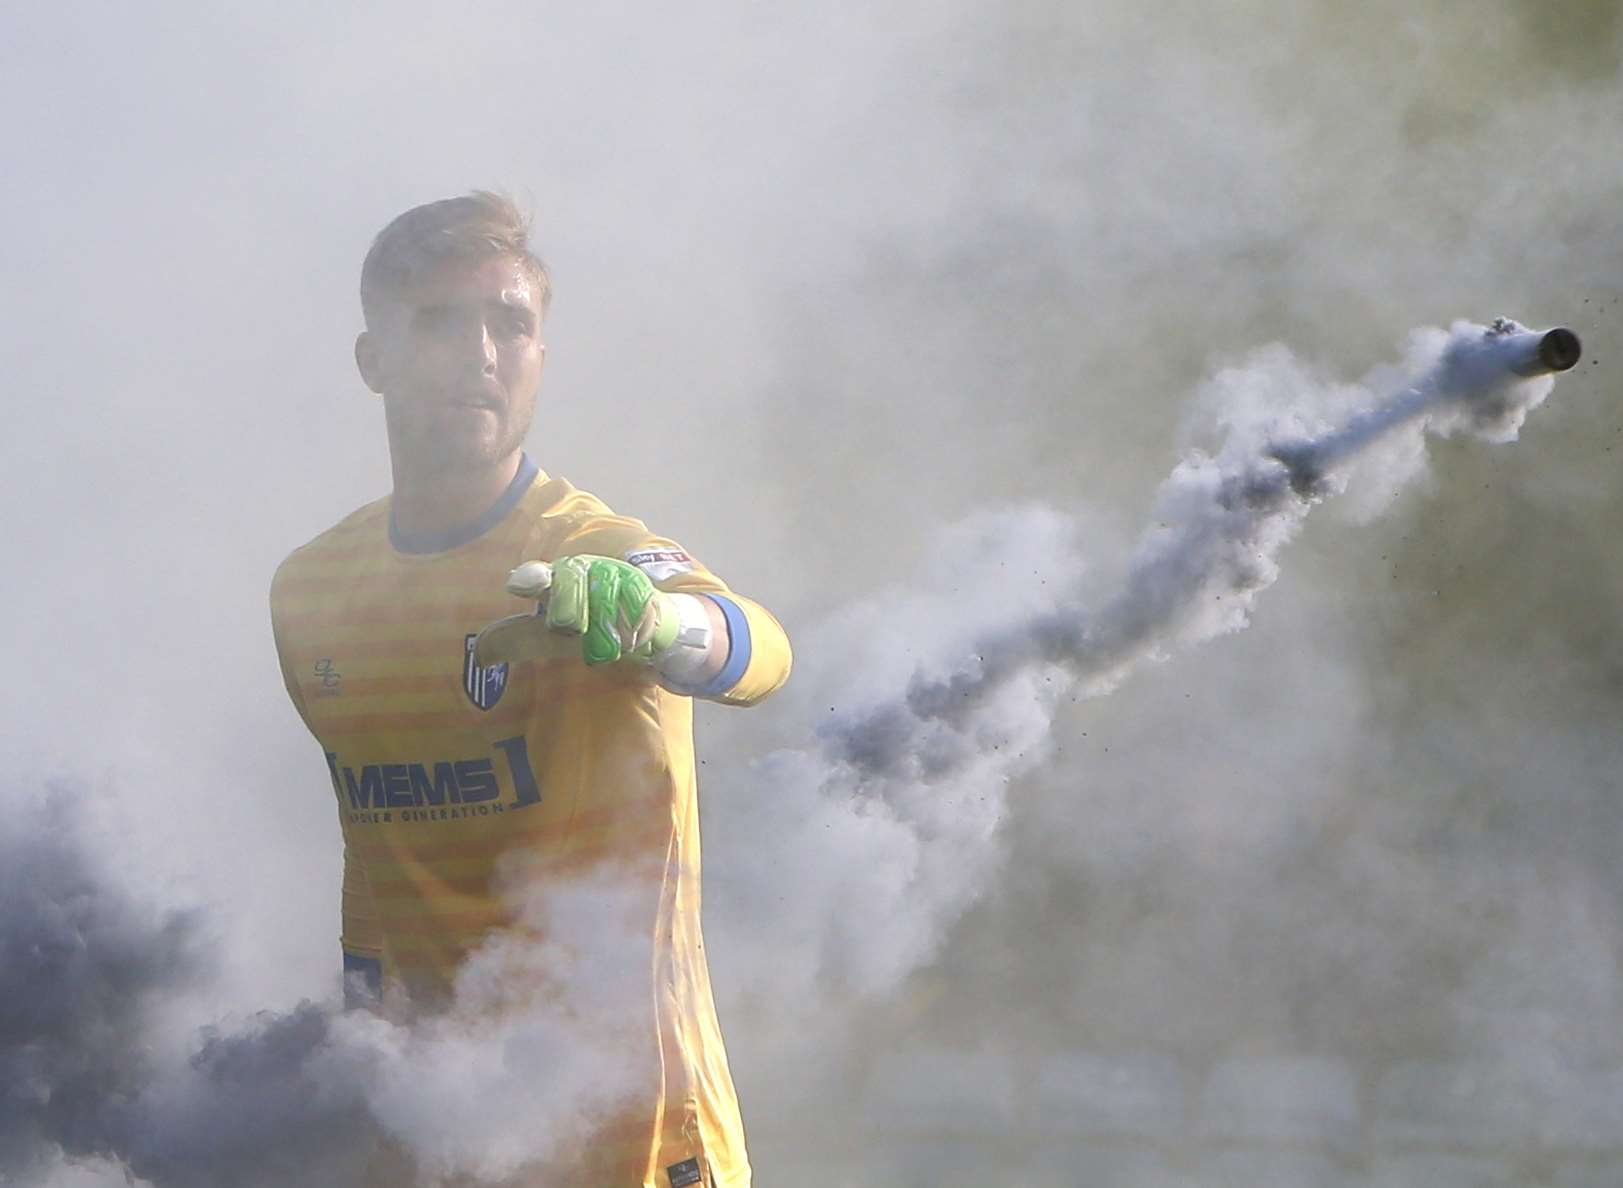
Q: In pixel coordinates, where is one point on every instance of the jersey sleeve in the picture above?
(759, 657)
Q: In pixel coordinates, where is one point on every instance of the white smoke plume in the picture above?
(897, 808)
(900, 804)
(856, 273)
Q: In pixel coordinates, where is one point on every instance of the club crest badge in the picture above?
(483, 685)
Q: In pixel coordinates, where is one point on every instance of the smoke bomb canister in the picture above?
(1559, 349)
(1540, 353)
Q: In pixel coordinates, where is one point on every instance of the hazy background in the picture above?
(857, 271)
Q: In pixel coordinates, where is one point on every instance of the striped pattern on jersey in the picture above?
(458, 788)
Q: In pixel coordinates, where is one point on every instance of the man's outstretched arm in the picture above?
(700, 638)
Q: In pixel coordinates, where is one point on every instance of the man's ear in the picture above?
(366, 359)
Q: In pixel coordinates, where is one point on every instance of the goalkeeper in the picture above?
(556, 743)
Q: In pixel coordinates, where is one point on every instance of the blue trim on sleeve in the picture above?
(738, 655)
(467, 533)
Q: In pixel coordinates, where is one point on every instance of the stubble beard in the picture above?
(431, 448)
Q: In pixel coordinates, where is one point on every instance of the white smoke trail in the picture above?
(888, 828)
(855, 854)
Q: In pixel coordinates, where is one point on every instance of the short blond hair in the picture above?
(472, 227)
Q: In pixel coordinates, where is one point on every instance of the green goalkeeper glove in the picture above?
(615, 609)
(611, 605)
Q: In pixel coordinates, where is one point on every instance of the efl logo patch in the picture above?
(660, 564)
(483, 685)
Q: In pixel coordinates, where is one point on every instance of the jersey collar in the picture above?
(466, 533)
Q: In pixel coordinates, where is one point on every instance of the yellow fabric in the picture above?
(769, 657)
(568, 771)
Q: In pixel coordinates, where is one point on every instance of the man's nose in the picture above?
(466, 342)
(489, 348)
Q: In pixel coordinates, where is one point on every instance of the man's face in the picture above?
(457, 358)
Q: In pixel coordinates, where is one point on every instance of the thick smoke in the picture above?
(82, 966)
(901, 804)
(308, 1096)
(854, 273)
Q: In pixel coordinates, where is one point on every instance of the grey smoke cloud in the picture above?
(1016, 240)
(309, 1095)
(901, 807)
(902, 804)
(88, 964)
(82, 967)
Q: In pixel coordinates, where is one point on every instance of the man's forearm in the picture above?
(684, 668)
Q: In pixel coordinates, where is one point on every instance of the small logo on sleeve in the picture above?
(684, 1173)
(660, 564)
(484, 684)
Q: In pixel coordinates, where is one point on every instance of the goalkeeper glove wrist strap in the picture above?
(684, 662)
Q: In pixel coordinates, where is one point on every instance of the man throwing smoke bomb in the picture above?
(467, 783)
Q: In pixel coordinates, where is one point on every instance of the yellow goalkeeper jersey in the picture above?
(449, 778)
